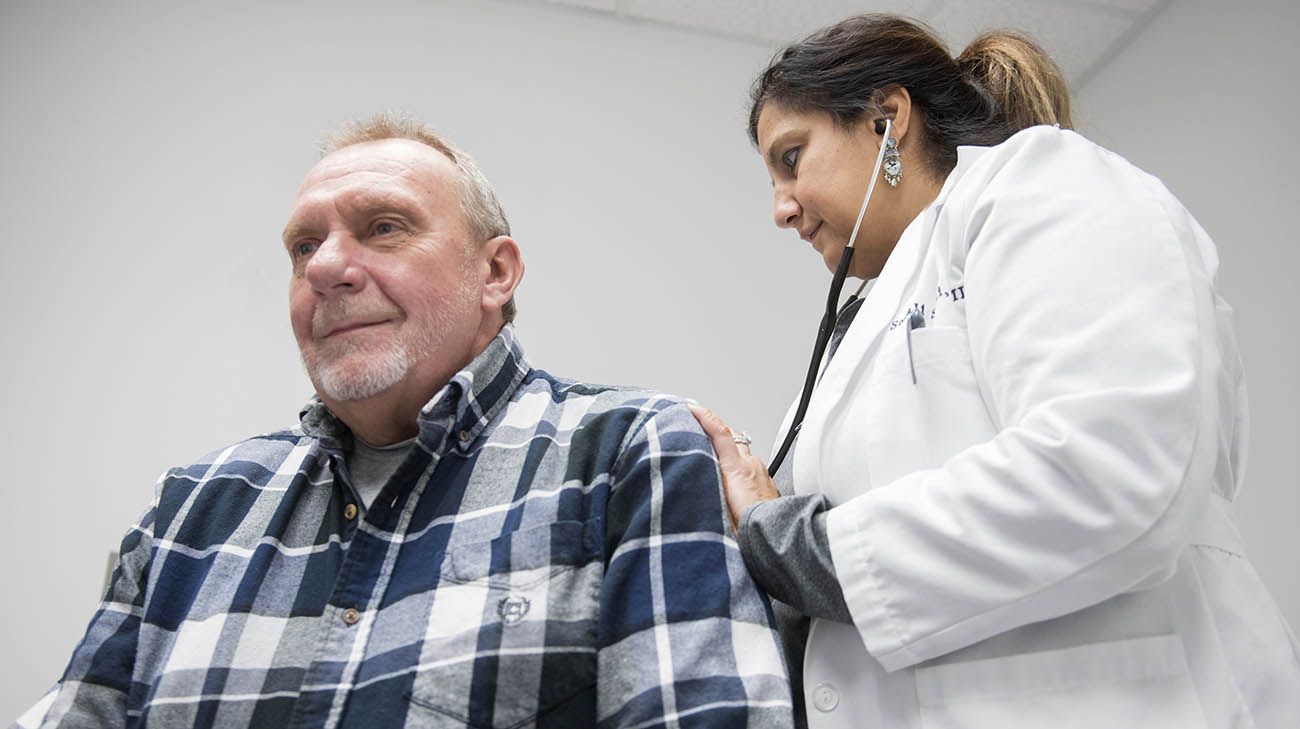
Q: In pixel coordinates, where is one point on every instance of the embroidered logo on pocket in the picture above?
(513, 608)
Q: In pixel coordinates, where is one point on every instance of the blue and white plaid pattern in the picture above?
(550, 554)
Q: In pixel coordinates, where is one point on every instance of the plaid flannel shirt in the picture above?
(550, 554)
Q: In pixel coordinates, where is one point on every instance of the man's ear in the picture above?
(505, 269)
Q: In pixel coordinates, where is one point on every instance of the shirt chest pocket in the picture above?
(511, 631)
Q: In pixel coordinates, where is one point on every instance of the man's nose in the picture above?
(785, 209)
(335, 266)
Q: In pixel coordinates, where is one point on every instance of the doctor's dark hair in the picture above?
(1002, 83)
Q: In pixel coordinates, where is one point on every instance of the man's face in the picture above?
(384, 291)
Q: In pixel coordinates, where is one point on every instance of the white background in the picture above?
(149, 154)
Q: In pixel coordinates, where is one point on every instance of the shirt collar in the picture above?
(459, 410)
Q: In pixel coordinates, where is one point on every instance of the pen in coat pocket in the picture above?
(915, 320)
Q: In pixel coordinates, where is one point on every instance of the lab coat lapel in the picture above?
(859, 344)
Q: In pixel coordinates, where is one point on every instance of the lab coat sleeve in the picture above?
(1090, 324)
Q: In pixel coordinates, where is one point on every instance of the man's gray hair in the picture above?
(479, 207)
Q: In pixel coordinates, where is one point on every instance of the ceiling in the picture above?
(1082, 35)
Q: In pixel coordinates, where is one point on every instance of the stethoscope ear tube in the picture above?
(819, 348)
(828, 319)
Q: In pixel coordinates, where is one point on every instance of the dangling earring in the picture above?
(893, 163)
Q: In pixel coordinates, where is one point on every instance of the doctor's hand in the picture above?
(744, 477)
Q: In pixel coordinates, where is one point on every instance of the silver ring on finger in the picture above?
(742, 438)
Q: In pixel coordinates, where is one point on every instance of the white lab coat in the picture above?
(1036, 532)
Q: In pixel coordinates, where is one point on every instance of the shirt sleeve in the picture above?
(786, 549)
(684, 633)
(94, 688)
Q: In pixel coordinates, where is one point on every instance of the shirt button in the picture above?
(464, 436)
(350, 511)
(351, 616)
(825, 697)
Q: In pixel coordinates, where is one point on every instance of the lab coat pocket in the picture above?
(1139, 682)
(512, 629)
(919, 425)
(947, 391)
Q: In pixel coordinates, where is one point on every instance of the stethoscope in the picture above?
(831, 316)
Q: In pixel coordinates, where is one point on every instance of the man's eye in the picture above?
(383, 228)
(304, 249)
(791, 158)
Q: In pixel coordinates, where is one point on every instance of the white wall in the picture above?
(148, 156)
(1206, 99)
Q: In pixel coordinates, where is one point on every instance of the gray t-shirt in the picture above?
(371, 466)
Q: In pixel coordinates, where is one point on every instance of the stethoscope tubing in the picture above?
(827, 326)
(824, 331)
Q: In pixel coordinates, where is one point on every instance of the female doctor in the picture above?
(1007, 501)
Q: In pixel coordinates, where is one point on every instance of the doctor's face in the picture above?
(820, 173)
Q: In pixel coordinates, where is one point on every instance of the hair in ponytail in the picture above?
(1002, 83)
(1026, 84)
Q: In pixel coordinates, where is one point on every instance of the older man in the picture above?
(450, 537)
